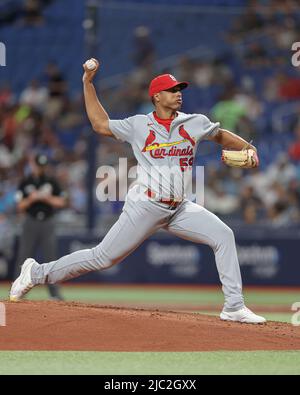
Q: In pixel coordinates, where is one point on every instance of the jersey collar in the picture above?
(176, 120)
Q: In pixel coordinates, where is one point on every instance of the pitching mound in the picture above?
(77, 326)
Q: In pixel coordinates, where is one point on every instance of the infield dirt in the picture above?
(51, 325)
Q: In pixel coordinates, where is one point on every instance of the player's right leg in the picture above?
(138, 220)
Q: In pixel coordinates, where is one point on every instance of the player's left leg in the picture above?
(195, 223)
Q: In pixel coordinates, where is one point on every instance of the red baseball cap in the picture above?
(164, 82)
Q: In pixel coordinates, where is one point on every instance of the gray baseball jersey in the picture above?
(156, 151)
(165, 159)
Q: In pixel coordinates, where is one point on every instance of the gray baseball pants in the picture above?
(140, 219)
(38, 235)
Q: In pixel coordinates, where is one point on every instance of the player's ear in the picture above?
(156, 98)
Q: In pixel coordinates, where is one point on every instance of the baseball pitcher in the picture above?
(162, 140)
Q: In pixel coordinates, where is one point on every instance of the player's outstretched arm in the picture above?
(95, 111)
(229, 140)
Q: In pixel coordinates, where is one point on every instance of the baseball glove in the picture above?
(245, 158)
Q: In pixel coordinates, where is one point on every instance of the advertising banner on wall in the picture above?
(163, 259)
(167, 260)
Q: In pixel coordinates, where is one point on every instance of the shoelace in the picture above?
(28, 288)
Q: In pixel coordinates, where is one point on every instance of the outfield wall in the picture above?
(266, 258)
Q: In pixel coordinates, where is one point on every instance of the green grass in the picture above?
(94, 293)
(151, 295)
(121, 363)
(281, 317)
(154, 363)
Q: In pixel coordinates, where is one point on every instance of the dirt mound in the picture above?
(77, 326)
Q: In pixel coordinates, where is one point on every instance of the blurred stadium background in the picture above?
(237, 56)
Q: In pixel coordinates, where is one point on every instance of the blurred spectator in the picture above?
(7, 96)
(34, 95)
(217, 201)
(57, 90)
(293, 192)
(8, 128)
(6, 157)
(249, 21)
(250, 214)
(7, 203)
(281, 170)
(286, 33)
(271, 88)
(232, 115)
(227, 111)
(251, 206)
(185, 69)
(289, 87)
(251, 104)
(7, 239)
(57, 85)
(256, 56)
(71, 115)
(223, 75)
(203, 74)
(33, 12)
(294, 149)
(11, 12)
(144, 51)
(279, 215)
(28, 11)
(249, 197)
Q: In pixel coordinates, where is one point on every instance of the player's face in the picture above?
(171, 98)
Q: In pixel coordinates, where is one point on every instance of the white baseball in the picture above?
(91, 64)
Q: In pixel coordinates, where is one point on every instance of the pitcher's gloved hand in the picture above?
(246, 158)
